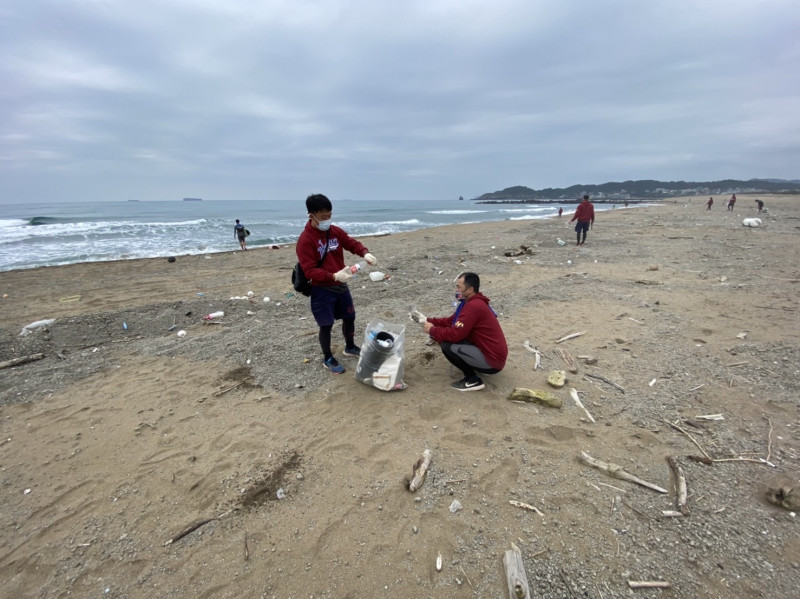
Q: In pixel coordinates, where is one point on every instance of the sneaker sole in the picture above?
(473, 388)
(344, 353)
(328, 368)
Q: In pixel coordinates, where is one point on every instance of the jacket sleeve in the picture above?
(459, 330)
(351, 245)
(445, 321)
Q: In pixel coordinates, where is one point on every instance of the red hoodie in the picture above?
(584, 213)
(311, 246)
(478, 324)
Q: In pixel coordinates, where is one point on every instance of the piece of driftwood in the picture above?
(22, 360)
(616, 471)
(538, 355)
(525, 506)
(605, 380)
(649, 584)
(572, 366)
(574, 394)
(420, 469)
(516, 577)
(541, 397)
(571, 336)
(681, 490)
(648, 282)
(194, 526)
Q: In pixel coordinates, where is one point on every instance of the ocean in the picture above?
(33, 235)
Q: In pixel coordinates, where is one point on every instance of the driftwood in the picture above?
(682, 492)
(194, 526)
(516, 577)
(527, 345)
(572, 366)
(541, 397)
(649, 584)
(574, 394)
(616, 471)
(22, 360)
(525, 506)
(420, 469)
(605, 380)
(571, 336)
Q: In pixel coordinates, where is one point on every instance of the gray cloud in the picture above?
(109, 99)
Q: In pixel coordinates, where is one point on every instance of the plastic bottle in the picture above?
(357, 267)
(213, 315)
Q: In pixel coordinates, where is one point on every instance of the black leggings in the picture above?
(467, 358)
(348, 330)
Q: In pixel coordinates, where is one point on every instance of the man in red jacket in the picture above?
(320, 252)
(585, 216)
(471, 339)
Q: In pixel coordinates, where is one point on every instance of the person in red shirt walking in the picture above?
(585, 217)
(471, 339)
(320, 252)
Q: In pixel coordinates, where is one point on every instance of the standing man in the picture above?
(585, 217)
(471, 339)
(709, 203)
(731, 202)
(760, 205)
(560, 211)
(320, 251)
(240, 233)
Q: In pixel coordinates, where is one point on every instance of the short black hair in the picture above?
(237, 221)
(471, 280)
(317, 202)
(586, 196)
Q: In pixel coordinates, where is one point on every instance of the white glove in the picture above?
(417, 316)
(371, 260)
(343, 275)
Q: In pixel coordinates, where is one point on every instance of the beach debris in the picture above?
(651, 383)
(171, 259)
(419, 470)
(648, 282)
(525, 506)
(540, 397)
(65, 300)
(213, 315)
(681, 491)
(574, 394)
(588, 359)
(376, 276)
(28, 329)
(649, 584)
(605, 380)
(439, 563)
(455, 506)
(416, 315)
(522, 251)
(711, 417)
(742, 335)
(707, 459)
(571, 336)
(751, 222)
(516, 577)
(616, 471)
(572, 366)
(653, 267)
(194, 526)
(527, 345)
(785, 496)
(560, 241)
(21, 360)
(280, 494)
(556, 378)
(181, 333)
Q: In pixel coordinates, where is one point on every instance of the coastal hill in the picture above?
(643, 189)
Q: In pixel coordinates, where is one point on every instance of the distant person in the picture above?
(626, 204)
(731, 202)
(560, 212)
(760, 205)
(471, 339)
(585, 217)
(320, 251)
(709, 203)
(240, 233)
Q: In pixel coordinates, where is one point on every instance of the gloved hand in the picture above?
(417, 316)
(371, 260)
(343, 275)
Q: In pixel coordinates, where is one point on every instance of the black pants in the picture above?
(467, 358)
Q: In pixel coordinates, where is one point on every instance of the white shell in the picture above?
(439, 563)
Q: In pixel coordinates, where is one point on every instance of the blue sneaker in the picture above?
(332, 365)
(354, 351)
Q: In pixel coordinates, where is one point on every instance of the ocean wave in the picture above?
(456, 211)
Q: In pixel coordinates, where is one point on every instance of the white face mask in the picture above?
(324, 225)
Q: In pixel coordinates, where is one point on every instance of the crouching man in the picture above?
(471, 339)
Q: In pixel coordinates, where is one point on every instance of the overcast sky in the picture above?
(395, 99)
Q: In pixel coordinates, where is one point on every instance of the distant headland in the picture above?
(638, 191)
(192, 199)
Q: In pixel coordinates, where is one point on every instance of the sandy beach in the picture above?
(124, 435)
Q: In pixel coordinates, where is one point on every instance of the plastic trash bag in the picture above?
(382, 360)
